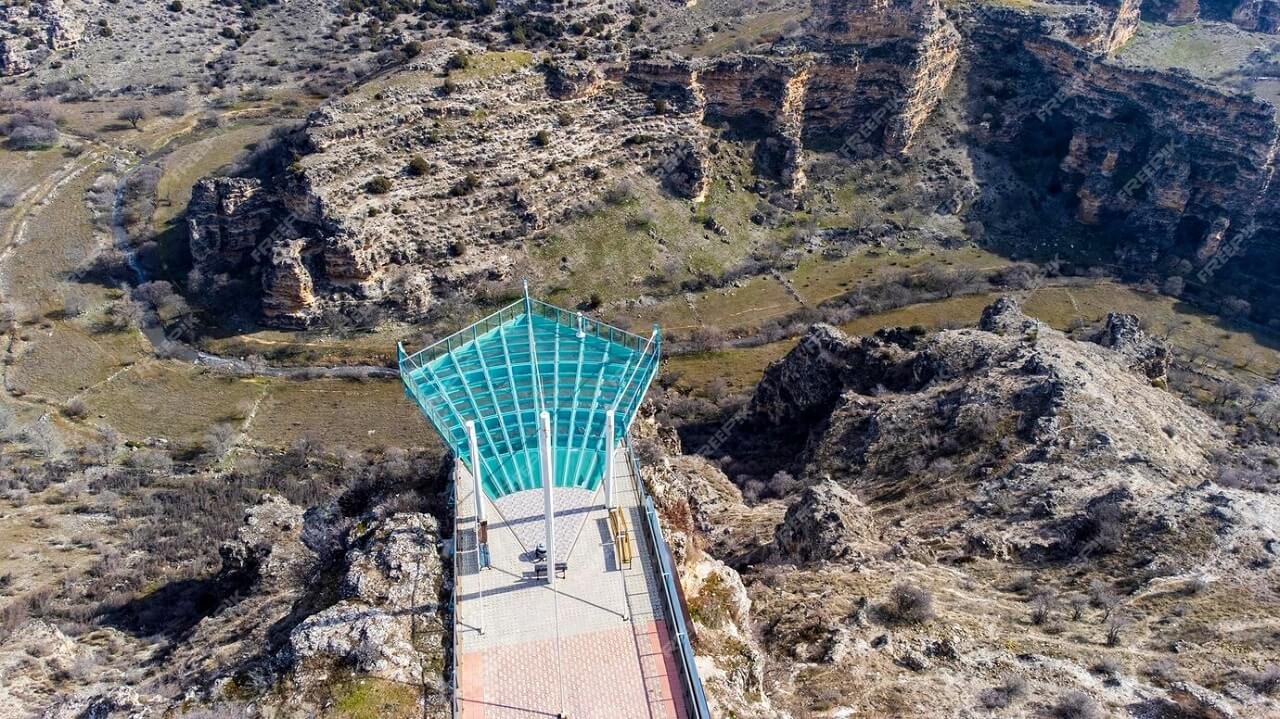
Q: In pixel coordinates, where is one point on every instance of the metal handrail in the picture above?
(589, 325)
(694, 691)
(456, 686)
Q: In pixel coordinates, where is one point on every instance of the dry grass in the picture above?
(63, 358)
(356, 414)
(168, 399)
(748, 32)
(1185, 327)
(21, 170)
(758, 300)
(1060, 307)
(58, 237)
(373, 699)
(38, 545)
(817, 279)
(492, 64)
(741, 369)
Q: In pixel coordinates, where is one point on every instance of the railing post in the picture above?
(608, 460)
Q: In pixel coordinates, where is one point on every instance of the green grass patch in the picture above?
(374, 699)
(492, 64)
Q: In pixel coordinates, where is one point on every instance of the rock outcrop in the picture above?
(388, 623)
(31, 32)
(827, 524)
(1253, 15)
(697, 503)
(423, 234)
(573, 80)
(992, 459)
(1183, 192)
(225, 220)
(307, 597)
(1123, 333)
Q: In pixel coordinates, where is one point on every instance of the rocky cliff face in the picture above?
(1104, 165)
(698, 505)
(30, 32)
(1014, 475)
(393, 567)
(225, 220)
(489, 182)
(1255, 15)
(1165, 170)
(304, 601)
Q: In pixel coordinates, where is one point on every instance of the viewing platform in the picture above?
(565, 600)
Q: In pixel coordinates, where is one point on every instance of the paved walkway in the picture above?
(611, 655)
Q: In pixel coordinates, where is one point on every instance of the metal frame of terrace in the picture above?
(504, 372)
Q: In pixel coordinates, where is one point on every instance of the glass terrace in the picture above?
(526, 358)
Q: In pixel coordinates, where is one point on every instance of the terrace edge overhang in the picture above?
(502, 373)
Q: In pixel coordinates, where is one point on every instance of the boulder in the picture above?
(1123, 333)
(828, 523)
(268, 552)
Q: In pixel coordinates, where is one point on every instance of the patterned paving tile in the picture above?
(523, 513)
(617, 673)
(598, 639)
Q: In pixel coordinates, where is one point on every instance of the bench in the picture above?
(540, 569)
(624, 544)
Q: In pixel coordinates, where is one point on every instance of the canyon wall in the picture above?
(1165, 171)
(362, 227)
(1159, 173)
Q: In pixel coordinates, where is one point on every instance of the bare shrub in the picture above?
(133, 115)
(6, 422)
(1024, 584)
(1014, 688)
(219, 440)
(75, 408)
(1163, 671)
(32, 137)
(1267, 681)
(1109, 667)
(621, 193)
(153, 460)
(75, 305)
(1077, 705)
(1042, 606)
(909, 604)
(1078, 603)
(706, 338)
(12, 615)
(175, 106)
(1116, 626)
(1101, 596)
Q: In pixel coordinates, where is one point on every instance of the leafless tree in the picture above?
(133, 115)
